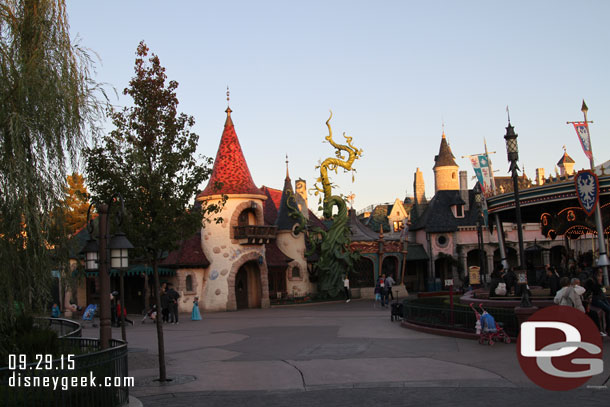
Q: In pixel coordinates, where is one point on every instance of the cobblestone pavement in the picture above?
(330, 354)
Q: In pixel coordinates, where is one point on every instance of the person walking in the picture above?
(173, 305)
(195, 315)
(164, 304)
(120, 309)
(383, 291)
(346, 289)
(389, 283)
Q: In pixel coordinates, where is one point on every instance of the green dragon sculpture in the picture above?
(335, 257)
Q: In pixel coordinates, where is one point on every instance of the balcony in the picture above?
(252, 234)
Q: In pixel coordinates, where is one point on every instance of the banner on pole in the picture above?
(582, 130)
(480, 164)
(587, 189)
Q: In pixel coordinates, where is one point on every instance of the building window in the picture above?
(397, 225)
(453, 175)
(442, 241)
(189, 283)
(296, 272)
(459, 211)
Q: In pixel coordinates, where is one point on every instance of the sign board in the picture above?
(474, 275)
(449, 282)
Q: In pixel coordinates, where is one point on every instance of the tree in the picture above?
(47, 101)
(150, 159)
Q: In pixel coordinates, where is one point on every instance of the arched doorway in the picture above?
(473, 258)
(389, 267)
(363, 274)
(442, 269)
(248, 291)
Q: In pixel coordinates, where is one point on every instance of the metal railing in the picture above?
(437, 313)
(255, 234)
(65, 328)
(66, 384)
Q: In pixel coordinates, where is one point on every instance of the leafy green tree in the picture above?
(150, 159)
(47, 102)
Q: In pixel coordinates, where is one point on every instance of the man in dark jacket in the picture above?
(173, 304)
(164, 305)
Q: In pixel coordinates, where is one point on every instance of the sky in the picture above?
(393, 72)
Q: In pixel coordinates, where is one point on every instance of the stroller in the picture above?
(150, 314)
(488, 329)
(396, 309)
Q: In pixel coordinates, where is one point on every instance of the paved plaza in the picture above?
(330, 354)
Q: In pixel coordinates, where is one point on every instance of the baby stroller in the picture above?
(150, 314)
(488, 329)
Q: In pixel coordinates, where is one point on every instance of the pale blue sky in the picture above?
(391, 71)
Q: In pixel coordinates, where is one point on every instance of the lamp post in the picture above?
(512, 151)
(404, 240)
(119, 259)
(96, 258)
(478, 197)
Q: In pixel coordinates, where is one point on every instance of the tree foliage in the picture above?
(149, 158)
(47, 102)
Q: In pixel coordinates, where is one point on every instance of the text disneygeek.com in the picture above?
(66, 382)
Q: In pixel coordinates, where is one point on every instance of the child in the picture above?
(55, 312)
(195, 315)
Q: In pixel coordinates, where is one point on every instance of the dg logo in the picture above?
(560, 348)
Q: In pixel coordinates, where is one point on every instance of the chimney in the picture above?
(464, 189)
(540, 176)
(301, 196)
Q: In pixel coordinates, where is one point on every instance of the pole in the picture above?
(518, 215)
(104, 275)
(122, 295)
(603, 257)
(501, 242)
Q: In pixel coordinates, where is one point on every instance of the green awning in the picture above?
(137, 270)
(416, 252)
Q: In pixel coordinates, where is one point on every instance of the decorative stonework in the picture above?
(217, 292)
(216, 250)
(224, 272)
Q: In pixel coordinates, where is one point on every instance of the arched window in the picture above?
(189, 283)
(296, 272)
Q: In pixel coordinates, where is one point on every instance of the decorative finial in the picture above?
(565, 151)
(584, 107)
(228, 107)
(508, 113)
(287, 176)
(443, 126)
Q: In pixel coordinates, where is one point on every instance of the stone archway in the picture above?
(262, 276)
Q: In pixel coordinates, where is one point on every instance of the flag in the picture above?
(480, 164)
(582, 130)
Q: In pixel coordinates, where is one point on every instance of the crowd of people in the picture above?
(565, 288)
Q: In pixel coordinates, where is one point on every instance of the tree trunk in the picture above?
(159, 321)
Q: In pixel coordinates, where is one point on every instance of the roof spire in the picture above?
(287, 175)
(228, 111)
(508, 113)
(443, 126)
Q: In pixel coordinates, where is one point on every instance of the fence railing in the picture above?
(438, 314)
(65, 328)
(90, 377)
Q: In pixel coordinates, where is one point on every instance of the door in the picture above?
(241, 288)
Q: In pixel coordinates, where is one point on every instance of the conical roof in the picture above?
(445, 157)
(284, 221)
(230, 167)
(565, 159)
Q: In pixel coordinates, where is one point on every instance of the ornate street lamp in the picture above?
(512, 151)
(404, 240)
(119, 259)
(96, 258)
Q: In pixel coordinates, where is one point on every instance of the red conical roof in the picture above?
(230, 167)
